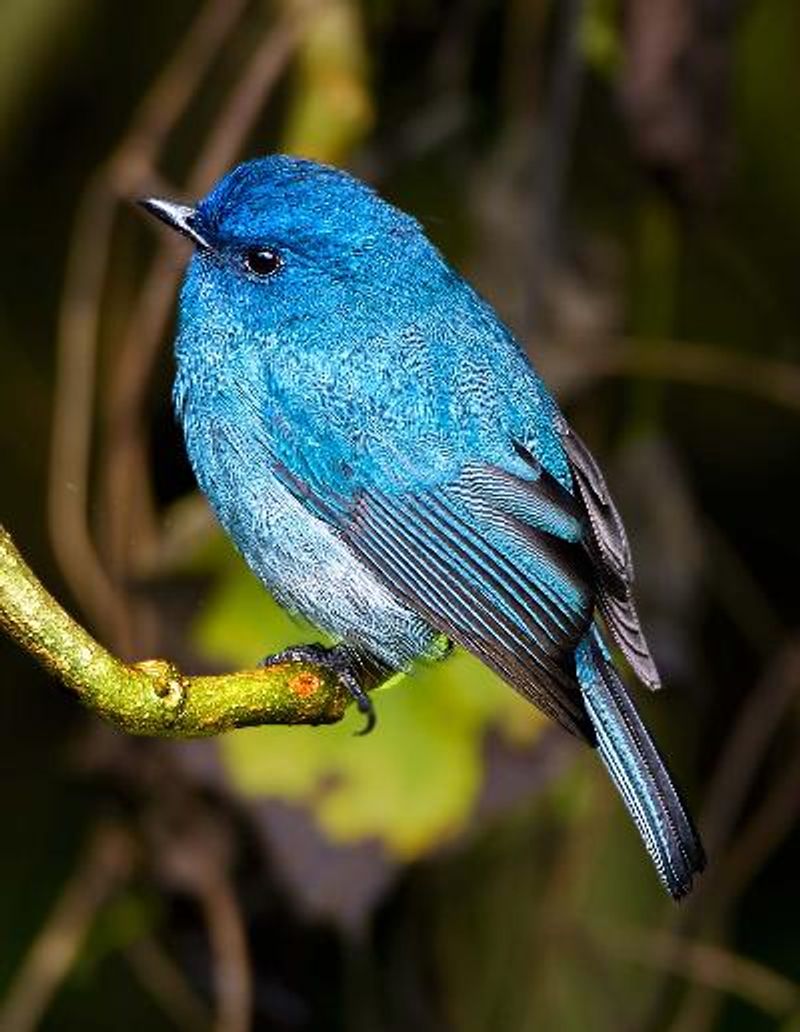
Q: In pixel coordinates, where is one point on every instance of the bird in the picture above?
(382, 452)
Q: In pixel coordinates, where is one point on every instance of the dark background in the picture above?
(622, 181)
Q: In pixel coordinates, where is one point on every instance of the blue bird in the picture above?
(390, 465)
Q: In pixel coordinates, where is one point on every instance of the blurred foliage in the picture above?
(412, 787)
(331, 107)
(414, 784)
(620, 177)
(32, 33)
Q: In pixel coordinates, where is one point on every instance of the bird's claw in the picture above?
(341, 661)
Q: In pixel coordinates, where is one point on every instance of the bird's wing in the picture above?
(611, 556)
(493, 559)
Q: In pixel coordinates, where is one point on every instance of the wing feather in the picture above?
(414, 560)
(490, 582)
(608, 545)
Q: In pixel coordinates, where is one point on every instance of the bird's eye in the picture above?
(262, 262)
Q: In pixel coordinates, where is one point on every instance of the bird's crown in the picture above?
(299, 203)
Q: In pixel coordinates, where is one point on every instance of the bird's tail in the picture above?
(639, 773)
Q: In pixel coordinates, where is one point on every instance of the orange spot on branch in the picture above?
(305, 684)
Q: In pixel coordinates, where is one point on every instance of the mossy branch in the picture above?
(153, 697)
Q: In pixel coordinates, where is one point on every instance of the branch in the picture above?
(153, 697)
(706, 964)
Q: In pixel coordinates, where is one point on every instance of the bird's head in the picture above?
(285, 245)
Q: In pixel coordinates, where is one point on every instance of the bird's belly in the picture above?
(304, 563)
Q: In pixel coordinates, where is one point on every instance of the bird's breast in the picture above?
(299, 558)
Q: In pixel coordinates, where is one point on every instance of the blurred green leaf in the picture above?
(331, 108)
(767, 83)
(121, 922)
(601, 41)
(31, 32)
(412, 783)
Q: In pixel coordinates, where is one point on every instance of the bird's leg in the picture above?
(355, 671)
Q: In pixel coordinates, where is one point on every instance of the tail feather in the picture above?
(639, 773)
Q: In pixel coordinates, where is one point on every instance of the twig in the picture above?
(191, 848)
(555, 151)
(124, 460)
(79, 319)
(704, 365)
(153, 697)
(71, 433)
(248, 98)
(107, 862)
(736, 859)
(767, 828)
(706, 964)
(747, 855)
(757, 721)
(740, 593)
(230, 955)
(164, 980)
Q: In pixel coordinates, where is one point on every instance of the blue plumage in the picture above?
(390, 465)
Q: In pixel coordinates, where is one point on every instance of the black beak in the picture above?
(179, 217)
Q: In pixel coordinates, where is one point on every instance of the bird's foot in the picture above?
(348, 666)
